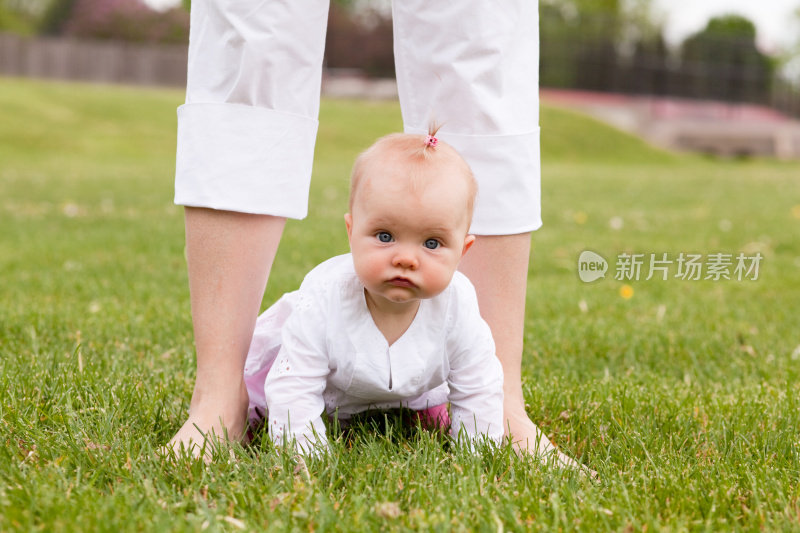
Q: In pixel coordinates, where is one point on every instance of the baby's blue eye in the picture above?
(431, 244)
(384, 236)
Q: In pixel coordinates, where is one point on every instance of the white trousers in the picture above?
(246, 133)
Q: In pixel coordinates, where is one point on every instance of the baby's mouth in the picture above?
(402, 282)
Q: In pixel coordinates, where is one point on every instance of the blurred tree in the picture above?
(359, 37)
(128, 20)
(723, 62)
(647, 71)
(556, 51)
(642, 52)
(789, 58)
(601, 24)
(12, 21)
(55, 17)
(29, 7)
(21, 16)
(618, 46)
(786, 85)
(598, 44)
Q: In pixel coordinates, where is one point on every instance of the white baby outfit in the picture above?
(246, 133)
(317, 349)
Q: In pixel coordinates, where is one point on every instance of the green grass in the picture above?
(684, 397)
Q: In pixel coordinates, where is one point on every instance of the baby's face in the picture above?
(407, 244)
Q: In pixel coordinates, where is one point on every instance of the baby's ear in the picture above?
(469, 240)
(348, 222)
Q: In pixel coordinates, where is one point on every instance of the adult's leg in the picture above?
(229, 256)
(473, 67)
(498, 267)
(245, 147)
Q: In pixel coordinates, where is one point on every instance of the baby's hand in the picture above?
(565, 461)
(301, 467)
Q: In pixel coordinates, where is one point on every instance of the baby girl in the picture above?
(391, 324)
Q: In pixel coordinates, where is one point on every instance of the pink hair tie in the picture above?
(431, 141)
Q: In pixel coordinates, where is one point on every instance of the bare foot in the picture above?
(527, 438)
(214, 418)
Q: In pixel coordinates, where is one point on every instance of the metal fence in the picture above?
(98, 61)
(586, 64)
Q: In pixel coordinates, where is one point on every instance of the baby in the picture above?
(391, 324)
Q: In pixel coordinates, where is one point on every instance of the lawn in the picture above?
(684, 395)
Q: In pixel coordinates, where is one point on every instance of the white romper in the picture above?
(317, 349)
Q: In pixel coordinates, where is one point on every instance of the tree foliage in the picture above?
(611, 45)
(601, 45)
(127, 20)
(21, 16)
(591, 43)
(56, 16)
(722, 61)
(359, 39)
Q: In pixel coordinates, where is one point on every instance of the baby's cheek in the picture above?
(439, 280)
(368, 268)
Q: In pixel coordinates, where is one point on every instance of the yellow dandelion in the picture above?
(796, 211)
(626, 291)
(580, 217)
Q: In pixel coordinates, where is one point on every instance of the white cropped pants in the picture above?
(247, 130)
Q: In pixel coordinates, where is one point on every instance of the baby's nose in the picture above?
(405, 259)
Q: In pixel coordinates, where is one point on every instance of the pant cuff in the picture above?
(244, 158)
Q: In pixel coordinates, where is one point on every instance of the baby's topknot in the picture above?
(419, 153)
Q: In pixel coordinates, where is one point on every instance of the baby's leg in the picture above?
(264, 350)
(434, 418)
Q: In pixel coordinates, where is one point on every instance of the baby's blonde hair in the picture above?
(418, 152)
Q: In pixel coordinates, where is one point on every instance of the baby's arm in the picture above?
(296, 382)
(476, 376)
(476, 397)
